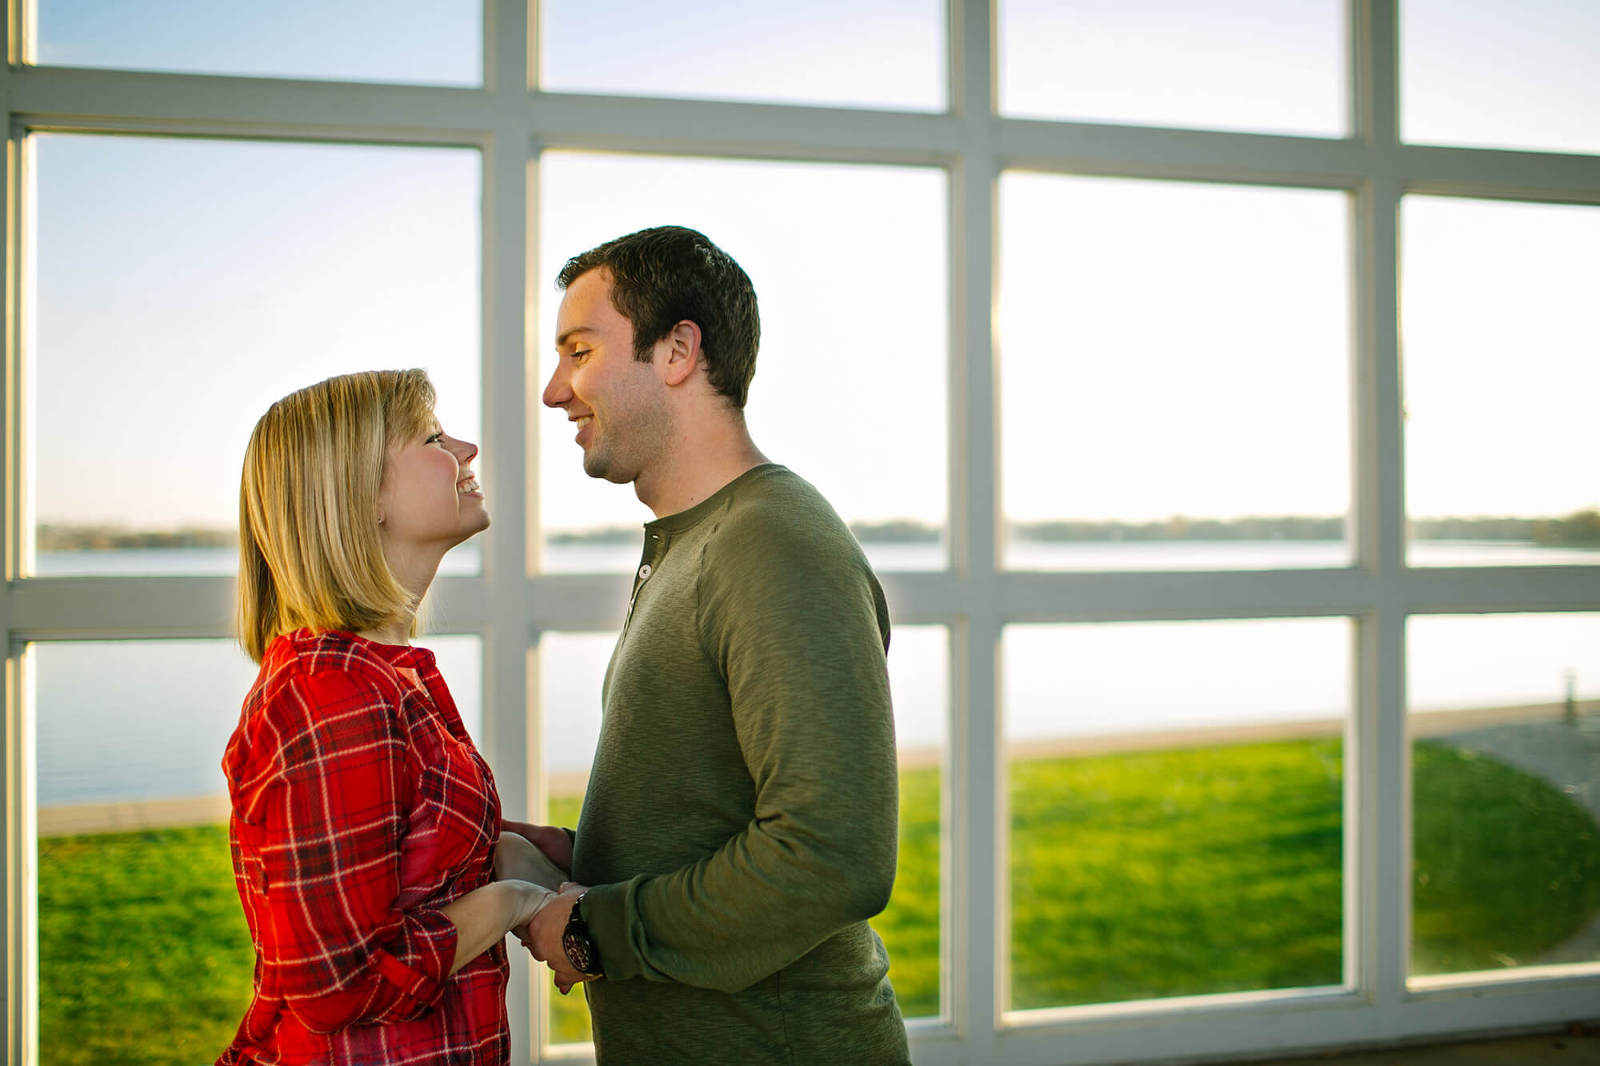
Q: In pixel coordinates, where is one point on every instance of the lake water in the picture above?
(149, 719)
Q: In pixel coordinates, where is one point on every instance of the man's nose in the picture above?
(556, 391)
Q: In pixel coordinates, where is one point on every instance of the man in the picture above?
(740, 822)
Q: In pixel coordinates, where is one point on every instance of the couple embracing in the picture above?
(740, 822)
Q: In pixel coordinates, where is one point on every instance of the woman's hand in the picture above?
(550, 839)
(517, 859)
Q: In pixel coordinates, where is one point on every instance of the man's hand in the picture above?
(542, 937)
(550, 839)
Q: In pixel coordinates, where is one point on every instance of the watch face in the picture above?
(579, 951)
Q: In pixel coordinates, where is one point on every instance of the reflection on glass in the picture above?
(843, 53)
(572, 669)
(436, 42)
(849, 390)
(1500, 74)
(182, 286)
(1254, 65)
(1505, 784)
(1173, 375)
(1175, 793)
(1499, 378)
(133, 860)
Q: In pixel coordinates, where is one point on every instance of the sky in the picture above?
(1162, 347)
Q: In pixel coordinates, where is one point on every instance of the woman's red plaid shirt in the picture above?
(360, 807)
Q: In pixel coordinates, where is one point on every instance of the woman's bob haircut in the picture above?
(309, 548)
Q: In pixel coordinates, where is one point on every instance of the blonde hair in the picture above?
(309, 548)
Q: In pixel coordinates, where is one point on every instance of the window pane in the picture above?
(1498, 400)
(1500, 74)
(1174, 831)
(182, 286)
(851, 376)
(133, 860)
(1174, 364)
(418, 41)
(890, 55)
(1255, 65)
(573, 666)
(1505, 785)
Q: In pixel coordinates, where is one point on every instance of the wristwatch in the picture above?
(578, 944)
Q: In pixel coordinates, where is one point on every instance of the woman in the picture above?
(365, 823)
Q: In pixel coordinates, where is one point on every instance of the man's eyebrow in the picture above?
(569, 334)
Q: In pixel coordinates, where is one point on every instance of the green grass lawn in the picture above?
(1136, 875)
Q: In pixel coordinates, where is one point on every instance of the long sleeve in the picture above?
(791, 619)
(335, 943)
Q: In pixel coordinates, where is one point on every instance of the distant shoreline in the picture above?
(1579, 529)
(167, 813)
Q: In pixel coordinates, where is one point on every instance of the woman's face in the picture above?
(429, 499)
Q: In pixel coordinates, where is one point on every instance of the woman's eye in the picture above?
(435, 438)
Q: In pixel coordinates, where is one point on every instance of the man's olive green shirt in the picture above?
(740, 822)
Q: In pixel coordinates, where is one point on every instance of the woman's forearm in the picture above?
(485, 915)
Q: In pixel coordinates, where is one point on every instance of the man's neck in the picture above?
(700, 464)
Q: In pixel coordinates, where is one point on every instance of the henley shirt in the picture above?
(740, 822)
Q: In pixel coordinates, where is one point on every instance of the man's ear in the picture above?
(684, 354)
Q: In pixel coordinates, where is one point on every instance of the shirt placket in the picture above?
(655, 546)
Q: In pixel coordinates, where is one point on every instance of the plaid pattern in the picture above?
(360, 806)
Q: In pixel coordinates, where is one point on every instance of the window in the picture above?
(1204, 381)
(1174, 832)
(224, 268)
(1495, 473)
(1500, 74)
(1504, 720)
(1249, 65)
(421, 41)
(857, 347)
(1173, 363)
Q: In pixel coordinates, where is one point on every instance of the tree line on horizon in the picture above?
(1579, 529)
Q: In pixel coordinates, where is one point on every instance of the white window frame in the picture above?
(508, 606)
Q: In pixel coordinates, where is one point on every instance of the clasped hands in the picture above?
(542, 854)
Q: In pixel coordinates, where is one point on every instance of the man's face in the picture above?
(618, 403)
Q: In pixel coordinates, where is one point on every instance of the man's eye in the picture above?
(579, 355)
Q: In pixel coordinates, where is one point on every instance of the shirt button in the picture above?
(644, 571)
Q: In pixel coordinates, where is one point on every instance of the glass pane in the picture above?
(1255, 65)
(1174, 365)
(873, 362)
(1500, 74)
(572, 668)
(133, 860)
(1175, 794)
(419, 41)
(1505, 785)
(847, 53)
(1498, 411)
(182, 286)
